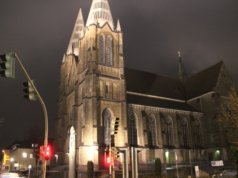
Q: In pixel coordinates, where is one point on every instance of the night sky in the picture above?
(206, 32)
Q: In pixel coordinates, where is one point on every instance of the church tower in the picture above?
(92, 89)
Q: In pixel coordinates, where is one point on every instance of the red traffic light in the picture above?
(107, 159)
(46, 152)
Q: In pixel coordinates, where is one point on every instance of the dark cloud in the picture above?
(154, 30)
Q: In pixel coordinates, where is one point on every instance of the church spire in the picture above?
(182, 73)
(76, 34)
(118, 28)
(100, 13)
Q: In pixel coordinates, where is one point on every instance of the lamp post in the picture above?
(29, 170)
(24, 156)
(11, 162)
(176, 161)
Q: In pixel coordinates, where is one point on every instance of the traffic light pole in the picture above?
(43, 108)
(110, 156)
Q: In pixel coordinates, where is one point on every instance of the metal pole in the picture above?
(110, 155)
(176, 161)
(43, 108)
(190, 161)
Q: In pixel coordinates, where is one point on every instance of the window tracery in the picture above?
(102, 49)
(109, 51)
(167, 131)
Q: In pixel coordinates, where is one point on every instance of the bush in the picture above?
(90, 169)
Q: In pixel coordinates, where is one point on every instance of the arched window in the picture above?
(183, 132)
(196, 131)
(132, 128)
(109, 51)
(167, 131)
(152, 130)
(107, 118)
(102, 49)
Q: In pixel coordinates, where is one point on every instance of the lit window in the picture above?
(31, 155)
(24, 155)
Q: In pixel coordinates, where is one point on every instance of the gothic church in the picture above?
(173, 119)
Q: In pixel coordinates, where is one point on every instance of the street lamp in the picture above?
(24, 155)
(176, 161)
(29, 170)
(11, 162)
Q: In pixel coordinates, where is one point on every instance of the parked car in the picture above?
(10, 175)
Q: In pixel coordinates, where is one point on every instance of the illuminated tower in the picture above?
(92, 87)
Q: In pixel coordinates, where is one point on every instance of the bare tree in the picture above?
(228, 116)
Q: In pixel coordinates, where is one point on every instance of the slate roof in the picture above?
(203, 82)
(151, 84)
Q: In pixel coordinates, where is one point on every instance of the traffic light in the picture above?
(107, 159)
(29, 91)
(116, 125)
(46, 152)
(7, 65)
(117, 155)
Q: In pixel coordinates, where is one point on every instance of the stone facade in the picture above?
(170, 119)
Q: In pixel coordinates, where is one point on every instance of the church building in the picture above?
(174, 119)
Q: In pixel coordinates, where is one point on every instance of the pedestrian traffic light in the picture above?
(116, 125)
(46, 152)
(29, 91)
(7, 65)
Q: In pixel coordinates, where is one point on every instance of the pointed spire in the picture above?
(100, 12)
(118, 29)
(63, 60)
(182, 73)
(76, 34)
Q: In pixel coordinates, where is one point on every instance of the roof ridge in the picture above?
(155, 74)
(207, 69)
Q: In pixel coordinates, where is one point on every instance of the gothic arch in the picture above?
(133, 128)
(167, 131)
(107, 117)
(183, 132)
(196, 132)
(102, 49)
(153, 130)
(109, 50)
